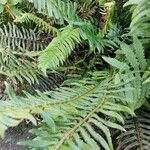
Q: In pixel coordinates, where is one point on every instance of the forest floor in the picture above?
(13, 136)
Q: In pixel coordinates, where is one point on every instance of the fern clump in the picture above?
(77, 71)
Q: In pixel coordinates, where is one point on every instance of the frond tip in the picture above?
(59, 49)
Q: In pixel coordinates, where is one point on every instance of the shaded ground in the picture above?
(14, 135)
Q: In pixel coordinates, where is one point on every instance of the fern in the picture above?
(145, 84)
(59, 49)
(58, 9)
(15, 38)
(80, 113)
(133, 61)
(74, 113)
(87, 30)
(17, 69)
(26, 17)
(140, 17)
(137, 132)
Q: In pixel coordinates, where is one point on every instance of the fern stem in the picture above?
(68, 134)
(46, 105)
(9, 10)
(137, 129)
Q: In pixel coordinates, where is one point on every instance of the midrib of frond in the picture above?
(138, 133)
(76, 127)
(72, 99)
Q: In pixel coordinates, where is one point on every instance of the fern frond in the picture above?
(12, 36)
(95, 41)
(57, 9)
(137, 135)
(139, 51)
(17, 69)
(140, 18)
(72, 114)
(133, 57)
(27, 17)
(59, 49)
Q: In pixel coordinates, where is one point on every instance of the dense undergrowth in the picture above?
(78, 70)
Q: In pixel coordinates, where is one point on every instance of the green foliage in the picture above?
(95, 99)
(5, 3)
(27, 17)
(47, 83)
(12, 2)
(17, 68)
(140, 17)
(59, 49)
(134, 63)
(72, 112)
(58, 9)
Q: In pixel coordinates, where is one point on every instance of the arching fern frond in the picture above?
(137, 135)
(71, 113)
(12, 36)
(27, 17)
(59, 49)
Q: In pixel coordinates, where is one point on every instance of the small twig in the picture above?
(9, 10)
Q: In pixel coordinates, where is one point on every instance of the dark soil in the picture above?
(13, 136)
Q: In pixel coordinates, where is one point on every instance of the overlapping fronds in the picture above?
(140, 17)
(59, 49)
(137, 135)
(95, 40)
(94, 100)
(57, 9)
(27, 17)
(76, 117)
(69, 14)
(14, 37)
(16, 68)
(133, 64)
